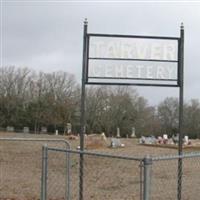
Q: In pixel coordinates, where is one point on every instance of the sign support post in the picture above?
(132, 60)
(82, 118)
(181, 98)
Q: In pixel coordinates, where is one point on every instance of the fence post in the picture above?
(67, 191)
(44, 172)
(141, 179)
(147, 162)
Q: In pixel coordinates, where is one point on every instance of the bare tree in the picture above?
(192, 118)
(168, 115)
(14, 84)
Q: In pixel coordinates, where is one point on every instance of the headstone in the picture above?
(175, 139)
(133, 132)
(69, 128)
(170, 141)
(118, 132)
(165, 137)
(103, 136)
(26, 129)
(56, 133)
(186, 140)
(160, 140)
(116, 143)
(44, 129)
(142, 140)
(10, 129)
(148, 140)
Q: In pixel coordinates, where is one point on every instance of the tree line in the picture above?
(37, 99)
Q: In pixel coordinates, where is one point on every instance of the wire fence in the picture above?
(30, 170)
(21, 166)
(164, 177)
(105, 176)
(112, 177)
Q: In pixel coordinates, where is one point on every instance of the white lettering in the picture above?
(172, 71)
(149, 72)
(157, 51)
(139, 71)
(120, 71)
(97, 49)
(160, 73)
(170, 52)
(142, 52)
(109, 71)
(134, 48)
(130, 71)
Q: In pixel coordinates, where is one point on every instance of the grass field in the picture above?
(104, 178)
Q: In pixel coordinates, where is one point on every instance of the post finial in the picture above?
(182, 25)
(85, 21)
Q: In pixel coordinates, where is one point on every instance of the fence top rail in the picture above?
(174, 157)
(36, 140)
(95, 154)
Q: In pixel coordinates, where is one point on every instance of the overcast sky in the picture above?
(48, 35)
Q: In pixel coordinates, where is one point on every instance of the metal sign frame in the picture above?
(89, 35)
(180, 85)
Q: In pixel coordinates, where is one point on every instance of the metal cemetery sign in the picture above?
(135, 60)
(132, 60)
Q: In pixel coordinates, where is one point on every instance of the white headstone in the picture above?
(186, 138)
(103, 136)
(118, 132)
(165, 137)
(56, 132)
(116, 143)
(133, 132)
(69, 128)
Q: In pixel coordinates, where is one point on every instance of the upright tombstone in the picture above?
(69, 128)
(116, 143)
(56, 132)
(10, 128)
(118, 132)
(133, 132)
(26, 129)
(186, 140)
(43, 129)
(165, 136)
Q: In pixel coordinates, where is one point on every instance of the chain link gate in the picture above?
(106, 176)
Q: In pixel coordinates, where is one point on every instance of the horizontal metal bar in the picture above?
(175, 157)
(132, 59)
(133, 36)
(95, 154)
(136, 84)
(125, 78)
(171, 157)
(35, 140)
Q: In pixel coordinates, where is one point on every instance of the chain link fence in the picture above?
(164, 177)
(106, 176)
(112, 177)
(21, 166)
(28, 173)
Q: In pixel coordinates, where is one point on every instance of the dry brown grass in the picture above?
(104, 178)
